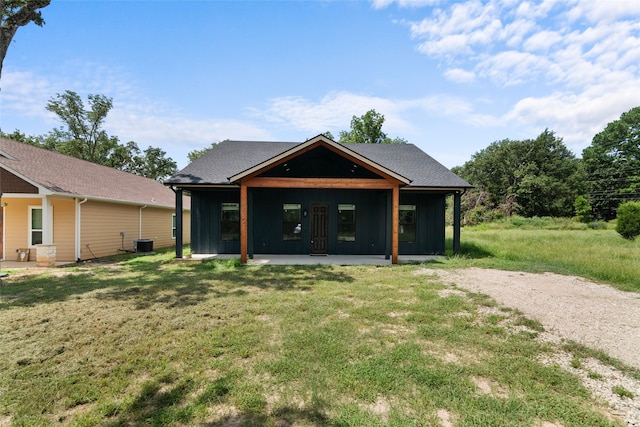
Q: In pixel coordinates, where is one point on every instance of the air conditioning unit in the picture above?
(143, 245)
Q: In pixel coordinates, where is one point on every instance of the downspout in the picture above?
(79, 227)
(140, 221)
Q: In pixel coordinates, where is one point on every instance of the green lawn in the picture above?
(150, 341)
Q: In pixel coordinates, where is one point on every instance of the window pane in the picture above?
(346, 223)
(36, 237)
(230, 221)
(407, 223)
(36, 219)
(291, 222)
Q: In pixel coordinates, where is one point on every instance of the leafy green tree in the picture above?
(196, 154)
(16, 135)
(583, 209)
(535, 177)
(628, 220)
(329, 135)
(15, 14)
(367, 129)
(154, 164)
(612, 164)
(83, 137)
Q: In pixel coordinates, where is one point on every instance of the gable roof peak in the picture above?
(309, 144)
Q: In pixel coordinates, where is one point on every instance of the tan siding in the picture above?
(64, 229)
(101, 224)
(16, 227)
(156, 225)
(186, 227)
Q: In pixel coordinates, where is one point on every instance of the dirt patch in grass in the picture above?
(446, 418)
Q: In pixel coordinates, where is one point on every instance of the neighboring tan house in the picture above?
(318, 197)
(82, 209)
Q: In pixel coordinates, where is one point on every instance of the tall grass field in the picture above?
(555, 245)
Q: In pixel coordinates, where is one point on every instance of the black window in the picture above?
(346, 223)
(407, 223)
(291, 221)
(230, 221)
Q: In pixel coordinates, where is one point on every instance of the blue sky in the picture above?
(450, 77)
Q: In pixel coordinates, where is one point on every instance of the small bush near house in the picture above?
(628, 220)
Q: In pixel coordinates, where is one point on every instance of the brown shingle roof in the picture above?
(67, 175)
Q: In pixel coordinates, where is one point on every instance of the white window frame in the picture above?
(31, 230)
(174, 226)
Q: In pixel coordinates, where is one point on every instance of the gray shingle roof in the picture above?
(67, 175)
(229, 158)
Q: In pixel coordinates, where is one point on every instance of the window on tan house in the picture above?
(35, 225)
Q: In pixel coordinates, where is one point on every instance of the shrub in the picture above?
(628, 220)
(583, 209)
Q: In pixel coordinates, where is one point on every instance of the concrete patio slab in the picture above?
(269, 259)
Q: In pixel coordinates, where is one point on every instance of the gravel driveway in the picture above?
(595, 315)
(598, 316)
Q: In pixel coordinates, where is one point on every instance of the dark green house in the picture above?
(317, 197)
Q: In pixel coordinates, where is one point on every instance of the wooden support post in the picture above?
(395, 215)
(244, 224)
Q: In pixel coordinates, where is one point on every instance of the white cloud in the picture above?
(382, 4)
(458, 75)
(511, 68)
(456, 44)
(176, 132)
(542, 41)
(334, 111)
(575, 117)
(457, 30)
(523, 42)
(576, 63)
(604, 11)
(27, 95)
(134, 116)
